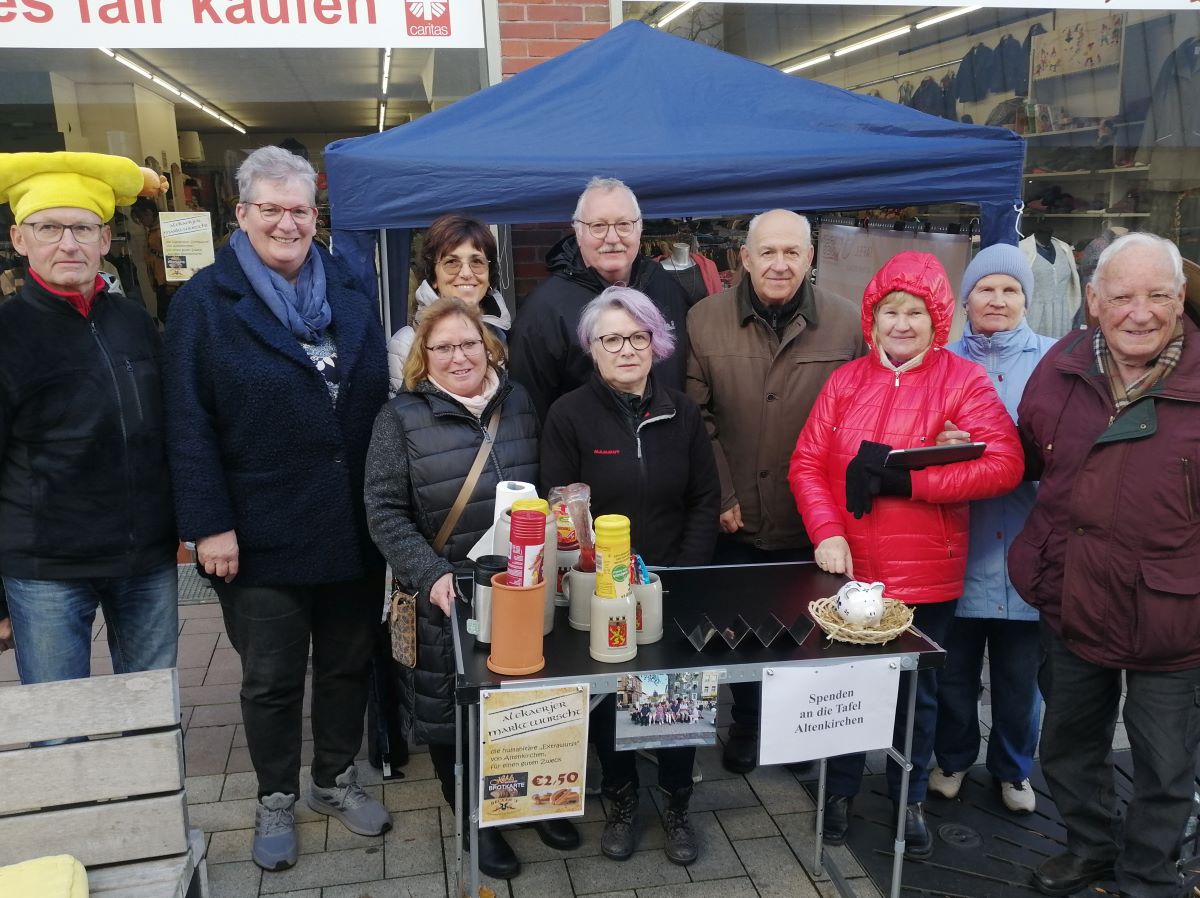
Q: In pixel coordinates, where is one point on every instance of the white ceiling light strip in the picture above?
(387, 70)
(872, 41)
(825, 57)
(382, 113)
(173, 88)
(947, 16)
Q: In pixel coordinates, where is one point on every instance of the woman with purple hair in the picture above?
(642, 448)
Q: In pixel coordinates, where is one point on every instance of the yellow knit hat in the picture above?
(30, 182)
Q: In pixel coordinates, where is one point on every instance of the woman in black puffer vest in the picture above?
(423, 445)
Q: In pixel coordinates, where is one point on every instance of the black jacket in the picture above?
(544, 352)
(84, 490)
(658, 470)
(256, 444)
(422, 447)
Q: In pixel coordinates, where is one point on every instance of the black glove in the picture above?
(866, 477)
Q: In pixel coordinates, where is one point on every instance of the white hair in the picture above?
(801, 220)
(607, 185)
(274, 164)
(1141, 240)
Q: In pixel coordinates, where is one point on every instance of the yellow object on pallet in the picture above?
(60, 876)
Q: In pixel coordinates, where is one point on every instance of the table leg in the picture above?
(820, 840)
(905, 770)
(458, 798)
(473, 772)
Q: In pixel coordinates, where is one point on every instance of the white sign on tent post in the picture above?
(821, 712)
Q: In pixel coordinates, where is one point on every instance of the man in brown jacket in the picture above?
(759, 354)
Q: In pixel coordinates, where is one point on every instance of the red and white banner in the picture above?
(241, 23)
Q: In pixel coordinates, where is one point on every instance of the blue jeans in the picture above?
(1013, 650)
(52, 623)
(845, 773)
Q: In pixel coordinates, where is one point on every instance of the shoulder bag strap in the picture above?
(468, 487)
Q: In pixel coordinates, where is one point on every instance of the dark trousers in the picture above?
(845, 773)
(620, 767)
(1013, 652)
(271, 628)
(1162, 718)
(747, 697)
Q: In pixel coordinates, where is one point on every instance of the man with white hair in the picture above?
(605, 249)
(759, 355)
(1110, 556)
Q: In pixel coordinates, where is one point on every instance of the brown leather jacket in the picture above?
(755, 392)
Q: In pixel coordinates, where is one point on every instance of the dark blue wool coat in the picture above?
(254, 441)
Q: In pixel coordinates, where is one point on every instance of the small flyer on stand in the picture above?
(187, 244)
(666, 710)
(821, 712)
(533, 753)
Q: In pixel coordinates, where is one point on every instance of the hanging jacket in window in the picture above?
(949, 95)
(928, 98)
(1010, 66)
(1022, 86)
(975, 74)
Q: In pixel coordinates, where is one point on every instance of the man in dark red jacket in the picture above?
(1110, 555)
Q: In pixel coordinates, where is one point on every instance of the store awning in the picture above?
(693, 130)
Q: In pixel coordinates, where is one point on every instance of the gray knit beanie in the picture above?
(999, 258)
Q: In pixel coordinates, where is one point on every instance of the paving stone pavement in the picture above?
(756, 831)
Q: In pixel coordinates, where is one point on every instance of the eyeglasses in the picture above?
(270, 212)
(615, 342)
(52, 232)
(452, 265)
(446, 350)
(599, 229)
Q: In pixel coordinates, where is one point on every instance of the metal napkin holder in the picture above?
(699, 630)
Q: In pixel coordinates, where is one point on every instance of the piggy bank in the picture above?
(861, 604)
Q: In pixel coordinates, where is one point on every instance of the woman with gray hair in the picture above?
(643, 450)
(274, 370)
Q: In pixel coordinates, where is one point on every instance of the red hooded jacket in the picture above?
(917, 546)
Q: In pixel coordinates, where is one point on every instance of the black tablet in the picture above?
(912, 459)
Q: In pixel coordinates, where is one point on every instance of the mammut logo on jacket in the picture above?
(606, 452)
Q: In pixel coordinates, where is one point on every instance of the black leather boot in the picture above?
(496, 858)
(918, 840)
(741, 750)
(619, 839)
(681, 844)
(557, 833)
(1067, 873)
(837, 819)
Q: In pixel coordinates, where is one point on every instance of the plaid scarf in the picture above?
(1122, 393)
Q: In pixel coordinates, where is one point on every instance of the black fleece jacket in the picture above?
(544, 354)
(84, 489)
(658, 470)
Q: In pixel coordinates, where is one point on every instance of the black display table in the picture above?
(723, 593)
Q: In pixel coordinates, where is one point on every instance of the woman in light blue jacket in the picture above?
(996, 290)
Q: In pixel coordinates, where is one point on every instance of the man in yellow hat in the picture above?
(85, 504)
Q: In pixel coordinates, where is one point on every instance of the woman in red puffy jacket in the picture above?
(906, 529)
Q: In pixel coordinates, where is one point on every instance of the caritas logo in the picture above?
(428, 18)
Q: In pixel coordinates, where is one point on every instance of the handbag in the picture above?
(402, 615)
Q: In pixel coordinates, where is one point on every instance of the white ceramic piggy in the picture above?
(861, 603)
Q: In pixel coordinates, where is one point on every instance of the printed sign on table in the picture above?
(187, 243)
(820, 712)
(533, 753)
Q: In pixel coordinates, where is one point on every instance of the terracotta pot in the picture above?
(517, 613)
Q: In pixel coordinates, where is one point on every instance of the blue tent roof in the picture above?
(693, 130)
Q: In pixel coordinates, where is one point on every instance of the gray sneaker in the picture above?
(275, 832)
(346, 800)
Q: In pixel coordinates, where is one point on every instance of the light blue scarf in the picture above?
(303, 308)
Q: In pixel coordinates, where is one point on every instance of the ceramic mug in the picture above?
(578, 587)
(649, 610)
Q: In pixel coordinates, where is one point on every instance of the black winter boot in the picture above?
(618, 840)
(681, 844)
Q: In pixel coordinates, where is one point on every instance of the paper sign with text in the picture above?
(533, 753)
(820, 712)
(187, 243)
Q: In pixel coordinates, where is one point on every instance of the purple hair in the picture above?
(636, 305)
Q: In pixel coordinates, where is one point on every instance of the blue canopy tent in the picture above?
(693, 130)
